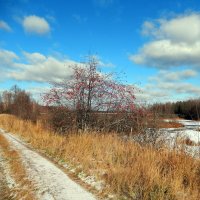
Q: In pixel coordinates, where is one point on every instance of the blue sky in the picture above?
(155, 43)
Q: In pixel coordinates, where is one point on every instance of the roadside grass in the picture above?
(5, 190)
(129, 170)
(24, 188)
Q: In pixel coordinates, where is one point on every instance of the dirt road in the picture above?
(51, 183)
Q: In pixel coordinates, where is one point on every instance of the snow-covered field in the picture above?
(51, 182)
(189, 122)
(191, 131)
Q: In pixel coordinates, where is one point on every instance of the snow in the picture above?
(190, 130)
(89, 180)
(192, 135)
(188, 122)
(51, 182)
(184, 122)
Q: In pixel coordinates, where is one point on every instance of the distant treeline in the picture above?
(19, 102)
(189, 109)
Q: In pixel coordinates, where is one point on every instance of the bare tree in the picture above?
(7, 101)
(1, 104)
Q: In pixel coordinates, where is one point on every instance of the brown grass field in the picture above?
(129, 171)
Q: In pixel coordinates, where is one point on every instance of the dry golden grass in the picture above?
(24, 190)
(129, 170)
(171, 124)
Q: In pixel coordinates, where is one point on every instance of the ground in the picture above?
(4, 189)
(50, 182)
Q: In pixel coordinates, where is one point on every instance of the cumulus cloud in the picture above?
(34, 57)
(175, 42)
(37, 67)
(43, 69)
(165, 75)
(187, 88)
(49, 70)
(149, 97)
(165, 92)
(7, 58)
(164, 53)
(183, 28)
(180, 88)
(170, 86)
(148, 28)
(36, 25)
(4, 26)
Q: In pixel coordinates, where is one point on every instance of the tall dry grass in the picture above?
(129, 170)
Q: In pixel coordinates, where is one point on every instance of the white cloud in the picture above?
(148, 94)
(36, 67)
(182, 29)
(166, 91)
(180, 88)
(4, 26)
(175, 42)
(42, 69)
(164, 53)
(175, 76)
(36, 25)
(106, 64)
(38, 91)
(170, 86)
(7, 58)
(35, 57)
(148, 28)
